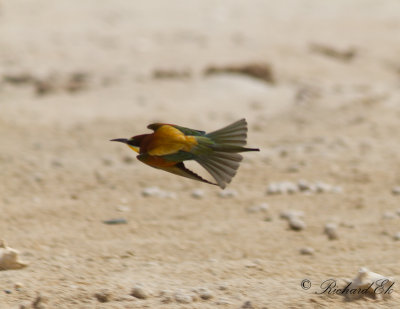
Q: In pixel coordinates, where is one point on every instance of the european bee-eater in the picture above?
(169, 145)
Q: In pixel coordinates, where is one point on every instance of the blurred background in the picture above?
(318, 82)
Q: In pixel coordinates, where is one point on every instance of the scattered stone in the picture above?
(307, 251)
(123, 208)
(103, 296)
(369, 281)
(223, 302)
(396, 190)
(18, 78)
(115, 221)
(263, 207)
(262, 71)
(288, 214)
(182, 298)
(247, 305)
(228, 193)
(331, 231)
(157, 192)
(303, 185)
(198, 194)
(18, 286)
(321, 187)
(396, 236)
(273, 188)
(165, 296)
(204, 293)
(9, 258)
(77, 81)
(343, 55)
(288, 187)
(7, 291)
(296, 224)
(140, 292)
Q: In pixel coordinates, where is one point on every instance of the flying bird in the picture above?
(170, 145)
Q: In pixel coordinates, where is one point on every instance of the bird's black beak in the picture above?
(121, 140)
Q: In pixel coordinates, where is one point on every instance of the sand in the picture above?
(75, 74)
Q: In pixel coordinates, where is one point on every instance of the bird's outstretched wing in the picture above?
(177, 169)
(186, 131)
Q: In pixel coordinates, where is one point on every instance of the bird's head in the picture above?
(133, 142)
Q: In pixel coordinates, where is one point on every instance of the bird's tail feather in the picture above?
(218, 152)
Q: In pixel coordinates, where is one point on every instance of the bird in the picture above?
(170, 145)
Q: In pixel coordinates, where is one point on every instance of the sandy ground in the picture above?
(75, 74)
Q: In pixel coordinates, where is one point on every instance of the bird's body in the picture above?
(170, 145)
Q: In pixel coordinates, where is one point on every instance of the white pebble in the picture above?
(331, 230)
(296, 224)
(368, 280)
(396, 236)
(204, 293)
(263, 207)
(288, 187)
(396, 190)
(307, 251)
(322, 187)
(151, 191)
(287, 214)
(183, 298)
(228, 193)
(9, 258)
(198, 194)
(157, 192)
(303, 185)
(273, 188)
(139, 292)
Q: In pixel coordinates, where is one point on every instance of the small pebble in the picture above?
(307, 251)
(198, 194)
(273, 188)
(123, 208)
(287, 214)
(115, 221)
(183, 298)
(396, 236)
(103, 296)
(222, 302)
(247, 305)
(296, 224)
(139, 292)
(157, 192)
(396, 190)
(151, 191)
(227, 193)
(263, 207)
(7, 291)
(204, 293)
(331, 231)
(303, 185)
(322, 187)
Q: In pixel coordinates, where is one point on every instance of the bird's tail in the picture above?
(218, 151)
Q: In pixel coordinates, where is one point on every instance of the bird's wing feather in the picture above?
(181, 170)
(186, 131)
